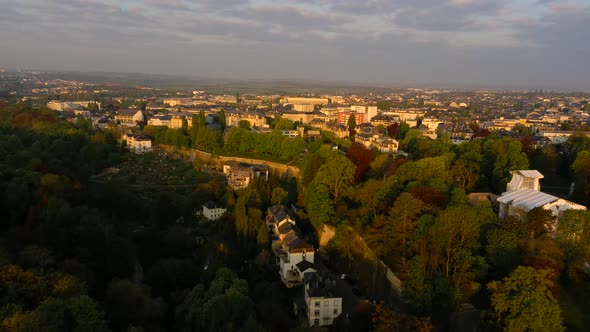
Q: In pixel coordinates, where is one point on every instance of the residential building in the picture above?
(69, 105)
(322, 303)
(359, 117)
(303, 107)
(314, 135)
(232, 119)
(294, 255)
(291, 133)
(129, 117)
(300, 117)
(240, 175)
(226, 99)
(371, 111)
(176, 121)
(305, 100)
(523, 193)
(137, 143)
(212, 211)
(162, 120)
(383, 144)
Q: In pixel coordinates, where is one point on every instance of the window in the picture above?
(317, 303)
(316, 322)
(335, 303)
(326, 303)
(335, 311)
(316, 313)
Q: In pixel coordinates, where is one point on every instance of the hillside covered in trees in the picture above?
(78, 254)
(128, 253)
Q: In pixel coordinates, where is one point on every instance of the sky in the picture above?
(461, 43)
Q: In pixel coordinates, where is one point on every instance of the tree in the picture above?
(262, 236)
(581, 168)
(523, 301)
(351, 124)
(56, 314)
(222, 120)
(574, 227)
(129, 304)
(244, 124)
(386, 320)
(280, 123)
(361, 157)
(319, 206)
(278, 196)
(502, 250)
(455, 236)
(393, 130)
(344, 241)
(336, 174)
(223, 306)
(399, 227)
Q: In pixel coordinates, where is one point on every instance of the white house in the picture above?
(212, 211)
(294, 255)
(322, 303)
(523, 193)
(137, 143)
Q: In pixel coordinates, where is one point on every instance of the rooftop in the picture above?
(318, 285)
(527, 198)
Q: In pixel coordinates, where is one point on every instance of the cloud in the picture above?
(382, 40)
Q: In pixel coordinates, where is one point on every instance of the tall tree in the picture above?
(523, 301)
(399, 227)
(361, 157)
(337, 174)
(581, 168)
(351, 124)
(222, 120)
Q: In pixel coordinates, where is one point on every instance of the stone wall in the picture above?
(217, 162)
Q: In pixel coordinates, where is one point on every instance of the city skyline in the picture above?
(463, 43)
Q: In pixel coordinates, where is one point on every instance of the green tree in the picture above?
(574, 227)
(222, 120)
(351, 123)
(581, 168)
(279, 196)
(129, 304)
(399, 227)
(55, 314)
(502, 251)
(336, 174)
(282, 124)
(523, 301)
(455, 236)
(319, 206)
(262, 236)
(244, 124)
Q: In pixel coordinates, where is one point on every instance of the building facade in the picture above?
(293, 254)
(322, 303)
(212, 211)
(523, 193)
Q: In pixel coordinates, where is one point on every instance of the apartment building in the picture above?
(322, 303)
(240, 175)
(212, 211)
